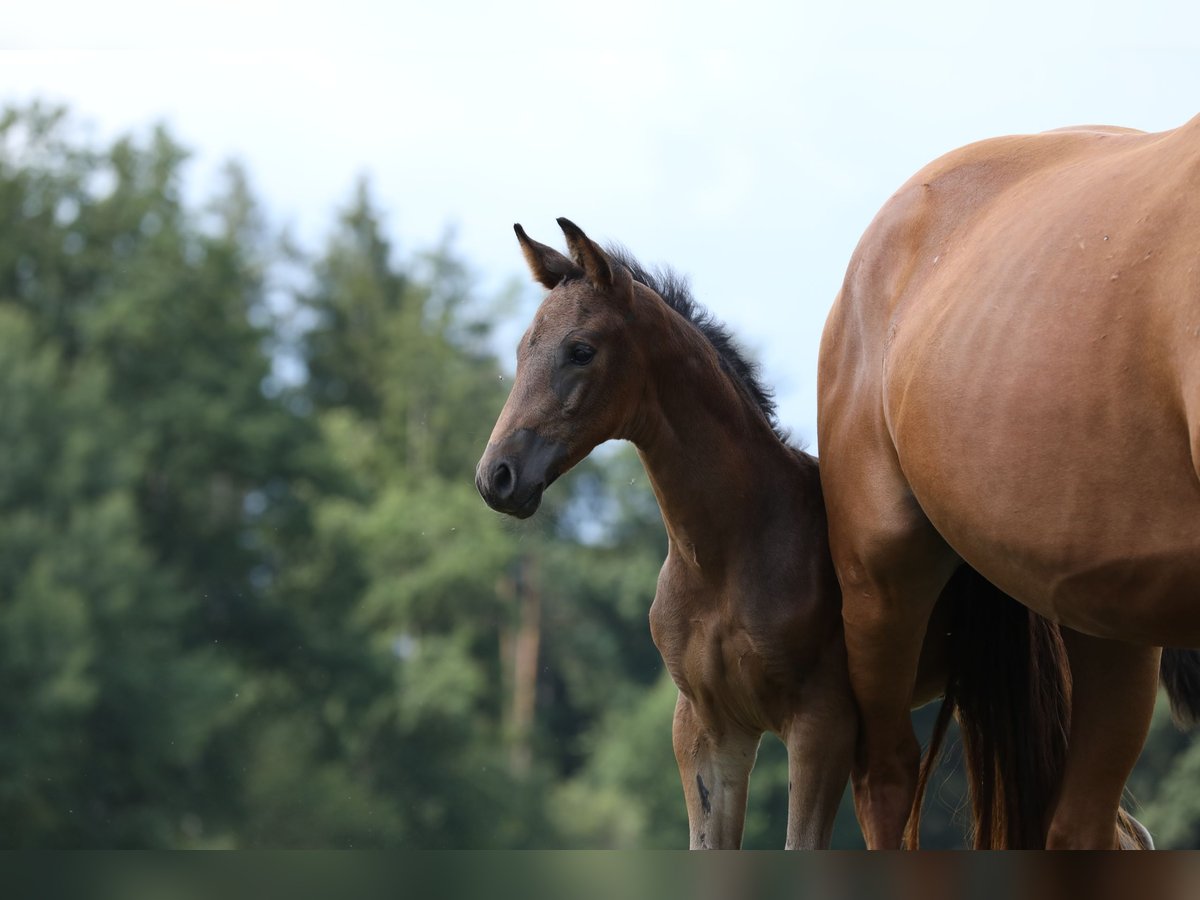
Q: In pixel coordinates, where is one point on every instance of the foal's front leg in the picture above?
(714, 766)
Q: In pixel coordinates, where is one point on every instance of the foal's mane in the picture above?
(675, 291)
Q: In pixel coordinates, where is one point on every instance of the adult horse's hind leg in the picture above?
(890, 583)
(890, 561)
(1113, 689)
(715, 770)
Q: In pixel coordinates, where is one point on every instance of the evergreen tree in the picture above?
(108, 706)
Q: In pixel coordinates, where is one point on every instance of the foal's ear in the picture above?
(586, 254)
(549, 267)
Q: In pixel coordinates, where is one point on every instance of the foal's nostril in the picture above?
(503, 481)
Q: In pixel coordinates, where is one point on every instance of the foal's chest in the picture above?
(718, 662)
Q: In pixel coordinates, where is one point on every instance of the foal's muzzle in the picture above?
(512, 475)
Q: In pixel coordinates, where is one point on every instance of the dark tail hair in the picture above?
(1009, 683)
(1179, 673)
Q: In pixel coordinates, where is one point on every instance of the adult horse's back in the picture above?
(1010, 377)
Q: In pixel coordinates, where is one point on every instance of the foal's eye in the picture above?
(580, 354)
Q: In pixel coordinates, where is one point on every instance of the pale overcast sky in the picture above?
(747, 144)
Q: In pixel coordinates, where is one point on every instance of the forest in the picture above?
(249, 595)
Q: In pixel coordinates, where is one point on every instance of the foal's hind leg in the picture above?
(1113, 689)
(715, 770)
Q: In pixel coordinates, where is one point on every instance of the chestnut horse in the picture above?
(1010, 378)
(747, 613)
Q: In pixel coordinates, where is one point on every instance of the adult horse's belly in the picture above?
(1042, 393)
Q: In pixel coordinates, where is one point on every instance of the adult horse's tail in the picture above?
(1009, 682)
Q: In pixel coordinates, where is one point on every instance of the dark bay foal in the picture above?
(747, 613)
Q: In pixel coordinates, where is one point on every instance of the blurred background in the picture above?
(258, 302)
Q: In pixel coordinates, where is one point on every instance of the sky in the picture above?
(746, 144)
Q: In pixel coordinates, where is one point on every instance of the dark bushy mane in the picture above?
(677, 294)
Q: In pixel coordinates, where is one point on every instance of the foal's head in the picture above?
(579, 373)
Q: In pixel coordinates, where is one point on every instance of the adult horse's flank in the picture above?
(1010, 377)
(747, 613)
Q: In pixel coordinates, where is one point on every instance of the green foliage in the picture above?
(1164, 784)
(628, 796)
(241, 607)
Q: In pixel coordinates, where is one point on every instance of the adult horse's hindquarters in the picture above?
(1010, 377)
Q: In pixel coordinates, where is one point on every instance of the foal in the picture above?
(747, 610)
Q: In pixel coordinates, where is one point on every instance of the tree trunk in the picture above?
(525, 666)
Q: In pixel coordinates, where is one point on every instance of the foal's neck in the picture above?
(716, 465)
